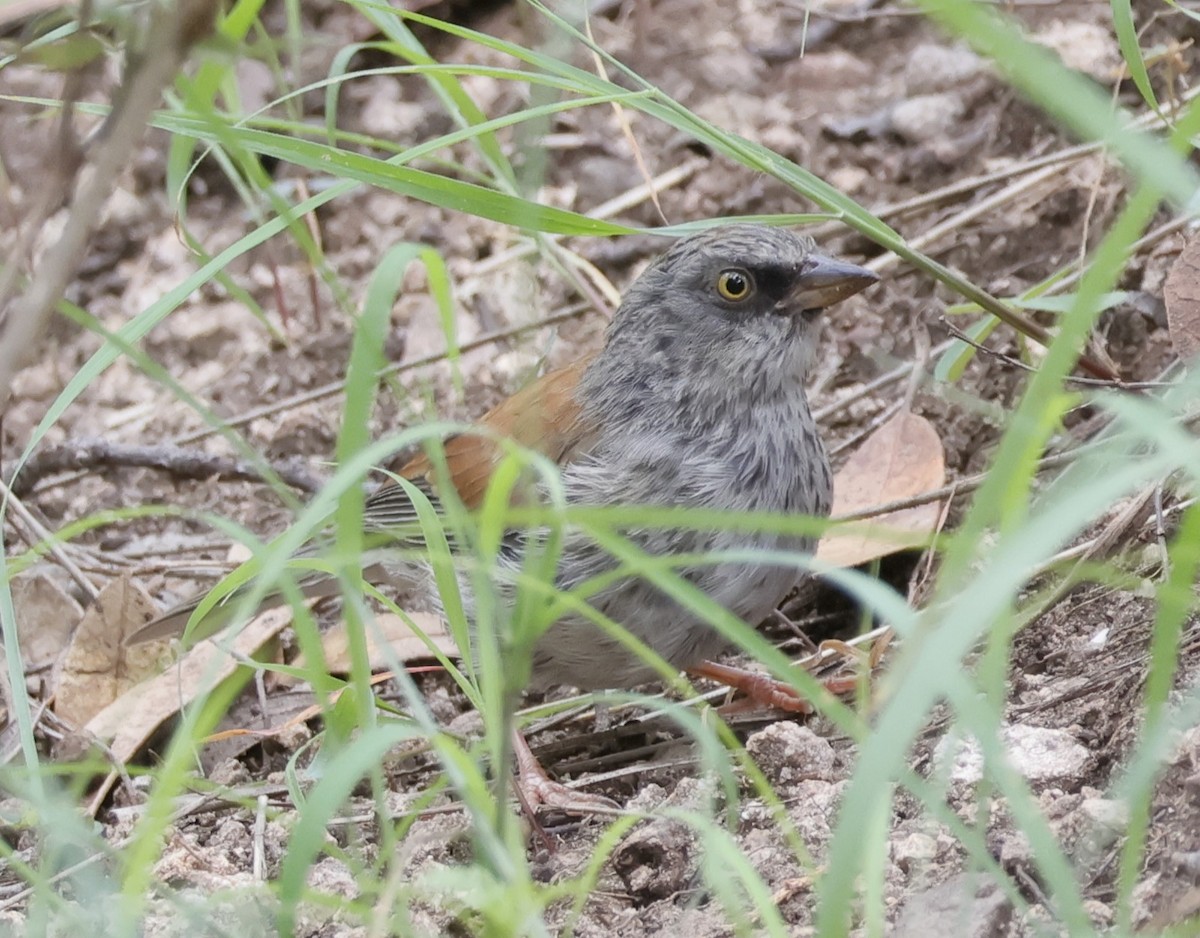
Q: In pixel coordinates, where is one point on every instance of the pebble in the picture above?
(1040, 754)
(789, 752)
(1084, 47)
(927, 117)
(933, 68)
(966, 906)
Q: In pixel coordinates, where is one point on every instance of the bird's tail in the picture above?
(171, 624)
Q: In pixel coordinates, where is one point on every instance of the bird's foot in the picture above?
(536, 789)
(763, 690)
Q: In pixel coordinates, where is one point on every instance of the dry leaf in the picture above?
(45, 615)
(98, 667)
(404, 644)
(1181, 293)
(129, 720)
(902, 459)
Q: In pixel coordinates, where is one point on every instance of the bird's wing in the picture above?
(545, 417)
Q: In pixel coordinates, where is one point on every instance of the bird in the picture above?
(696, 399)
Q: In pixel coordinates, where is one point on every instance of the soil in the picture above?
(880, 104)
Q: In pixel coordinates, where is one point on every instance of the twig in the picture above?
(335, 387)
(35, 535)
(89, 454)
(174, 29)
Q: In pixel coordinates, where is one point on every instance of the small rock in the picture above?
(1084, 47)
(1015, 850)
(835, 70)
(1041, 754)
(934, 68)
(964, 756)
(1100, 913)
(657, 861)
(914, 850)
(848, 179)
(966, 906)
(661, 858)
(789, 752)
(812, 807)
(1146, 899)
(333, 877)
(1108, 813)
(1038, 753)
(927, 117)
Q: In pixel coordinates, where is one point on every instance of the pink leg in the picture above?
(764, 689)
(535, 787)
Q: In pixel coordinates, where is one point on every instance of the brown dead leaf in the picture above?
(98, 667)
(45, 616)
(1181, 294)
(128, 721)
(404, 644)
(902, 459)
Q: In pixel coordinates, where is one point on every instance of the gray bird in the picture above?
(697, 400)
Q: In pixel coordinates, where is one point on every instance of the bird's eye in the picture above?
(735, 284)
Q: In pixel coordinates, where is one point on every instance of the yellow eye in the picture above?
(735, 284)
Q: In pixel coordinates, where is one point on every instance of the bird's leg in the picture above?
(764, 689)
(535, 787)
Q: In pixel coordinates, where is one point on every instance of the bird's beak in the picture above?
(826, 281)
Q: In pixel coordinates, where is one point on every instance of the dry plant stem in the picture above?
(876, 422)
(53, 193)
(981, 298)
(614, 206)
(336, 387)
(899, 373)
(185, 463)
(962, 486)
(259, 866)
(985, 206)
(822, 414)
(627, 133)
(35, 534)
(964, 187)
(174, 29)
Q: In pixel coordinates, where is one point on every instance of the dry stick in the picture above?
(623, 123)
(969, 484)
(603, 211)
(175, 29)
(626, 200)
(969, 214)
(22, 519)
(1021, 366)
(335, 387)
(1013, 318)
(185, 463)
(968, 186)
(822, 414)
(874, 424)
(55, 187)
(899, 373)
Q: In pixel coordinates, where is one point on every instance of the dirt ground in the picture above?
(882, 106)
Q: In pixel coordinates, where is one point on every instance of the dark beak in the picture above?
(825, 281)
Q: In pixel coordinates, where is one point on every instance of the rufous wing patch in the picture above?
(545, 416)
